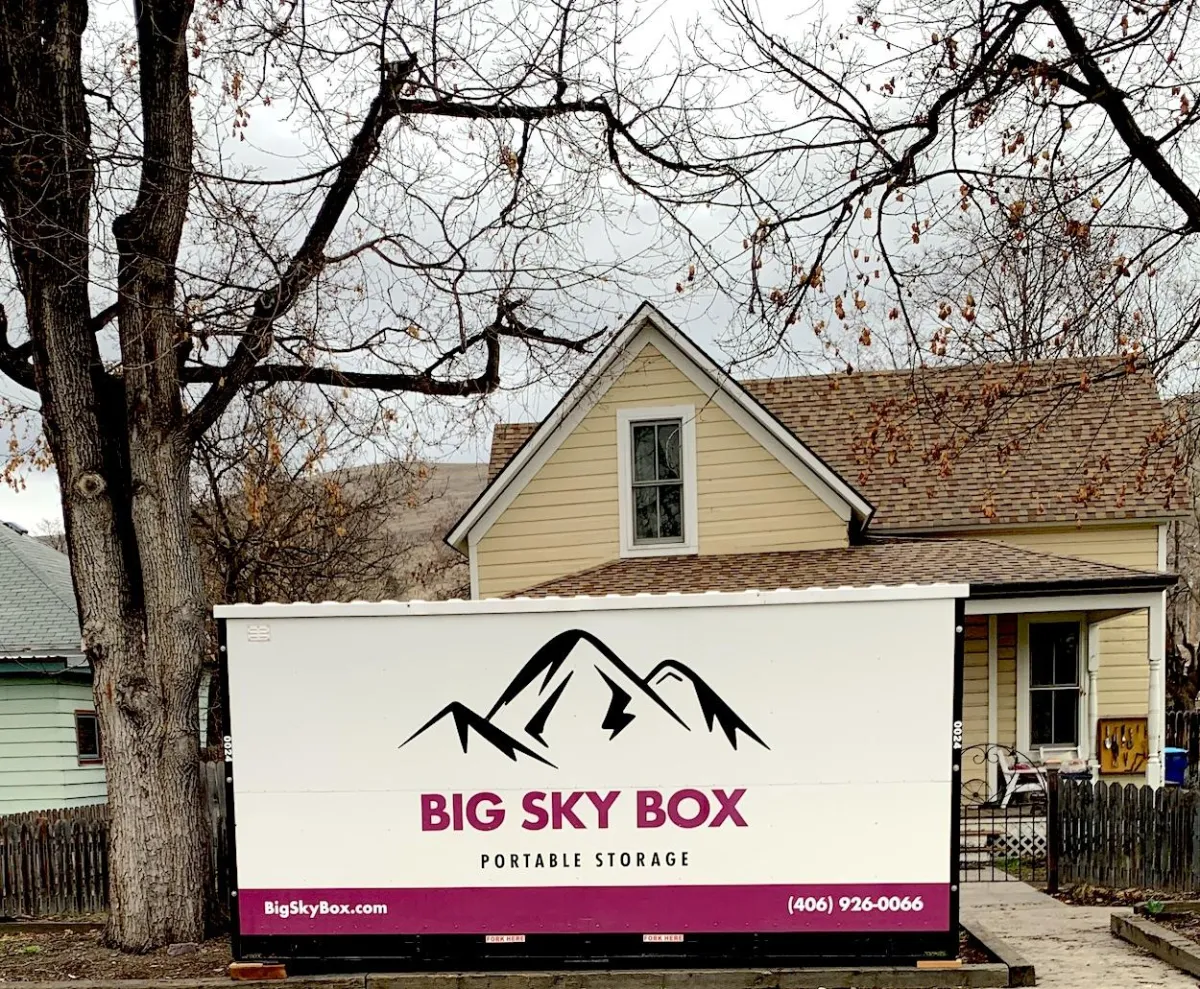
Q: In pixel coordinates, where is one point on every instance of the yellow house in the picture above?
(658, 472)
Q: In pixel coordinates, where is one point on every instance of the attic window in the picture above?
(657, 479)
(87, 737)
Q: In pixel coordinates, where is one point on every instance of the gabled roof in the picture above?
(37, 600)
(990, 568)
(648, 326)
(1104, 453)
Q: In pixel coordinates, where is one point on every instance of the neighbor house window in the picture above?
(1054, 688)
(87, 736)
(657, 481)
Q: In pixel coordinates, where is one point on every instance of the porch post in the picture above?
(1093, 698)
(993, 769)
(1157, 707)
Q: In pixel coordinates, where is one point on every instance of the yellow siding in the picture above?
(1006, 680)
(566, 518)
(1121, 545)
(975, 700)
(1124, 678)
(747, 501)
(975, 691)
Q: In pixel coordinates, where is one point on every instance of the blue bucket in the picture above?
(1175, 763)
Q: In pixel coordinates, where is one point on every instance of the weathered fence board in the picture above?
(1183, 732)
(1127, 836)
(47, 864)
(55, 862)
(213, 781)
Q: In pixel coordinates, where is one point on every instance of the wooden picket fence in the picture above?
(1127, 836)
(212, 778)
(1183, 732)
(55, 862)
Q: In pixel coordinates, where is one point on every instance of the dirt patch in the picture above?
(1102, 896)
(1187, 924)
(971, 951)
(69, 954)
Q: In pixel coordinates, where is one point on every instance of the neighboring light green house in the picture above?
(51, 753)
(50, 750)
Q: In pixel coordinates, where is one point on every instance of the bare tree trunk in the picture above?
(148, 703)
(142, 608)
(157, 839)
(118, 442)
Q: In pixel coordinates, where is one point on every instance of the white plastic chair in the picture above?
(1026, 779)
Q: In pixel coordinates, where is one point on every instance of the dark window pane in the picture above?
(87, 736)
(657, 457)
(645, 513)
(1066, 717)
(643, 453)
(668, 452)
(1053, 653)
(1041, 666)
(670, 511)
(1066, 656)
(1041, 717)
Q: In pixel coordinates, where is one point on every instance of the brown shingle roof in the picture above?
(1029, 444)
(507, 439)
(989, 567)
(1035, 446)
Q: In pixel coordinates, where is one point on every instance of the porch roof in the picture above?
(992, 569)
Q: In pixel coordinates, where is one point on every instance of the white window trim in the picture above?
(686, 414)
(473, 563)
(1083, 750)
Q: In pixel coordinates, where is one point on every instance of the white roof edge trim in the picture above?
(648, 313)
(13, 656)
(837, 485)
(759, 428)
(608, 602)
(1122, 601)
(566, 405)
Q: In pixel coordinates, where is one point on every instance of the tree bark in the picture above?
(156, 837)
(118, 446)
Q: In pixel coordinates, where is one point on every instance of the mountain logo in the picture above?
(603, 688)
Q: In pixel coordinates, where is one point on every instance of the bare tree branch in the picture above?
(423, 383)
(306, 263)
(14, 360)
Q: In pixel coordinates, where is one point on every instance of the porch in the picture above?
(1073, 679)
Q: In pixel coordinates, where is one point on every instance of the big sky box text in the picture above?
(584, 809)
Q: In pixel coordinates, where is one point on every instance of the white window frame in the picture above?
(626, 418)
(1083, 749)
